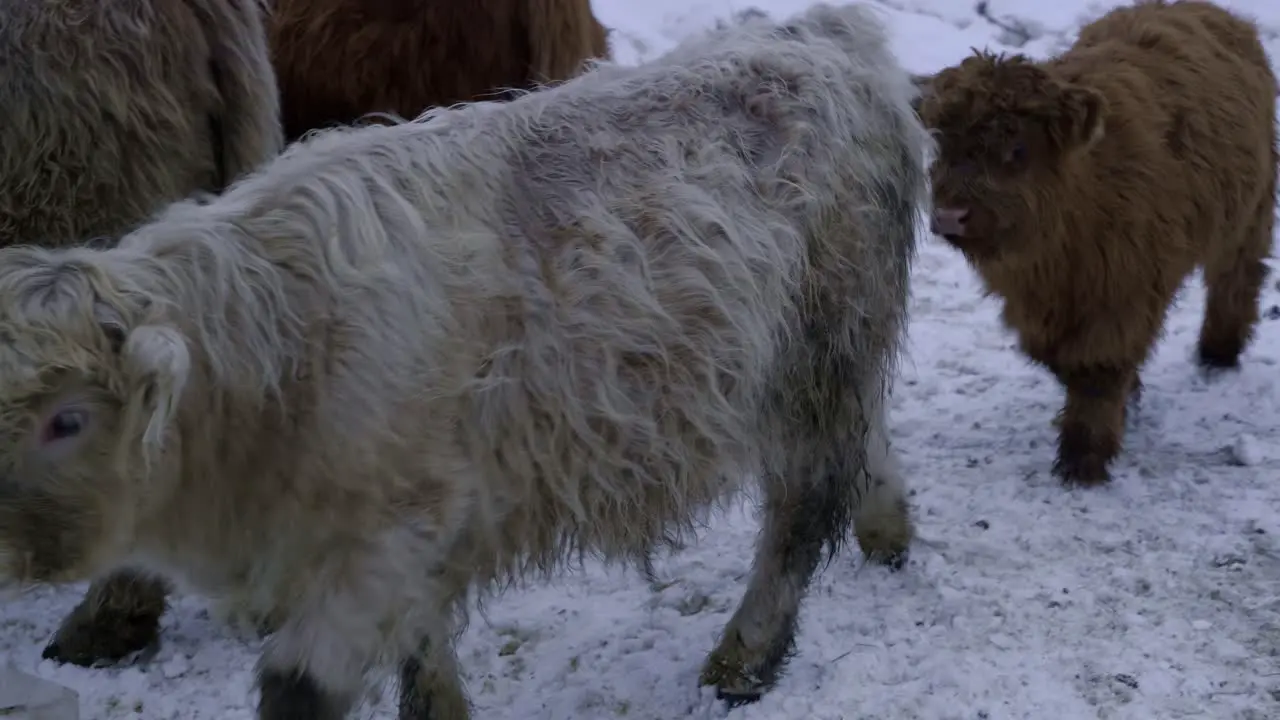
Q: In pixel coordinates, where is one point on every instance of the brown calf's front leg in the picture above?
(118, 616)
(1092, 429)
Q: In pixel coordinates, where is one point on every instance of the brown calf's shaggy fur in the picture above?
(338, 60)
(1086, 188)
(111, 109)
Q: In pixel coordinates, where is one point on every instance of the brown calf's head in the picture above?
(87, 392)
(1008, 131)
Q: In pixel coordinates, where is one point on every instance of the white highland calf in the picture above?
(109, 111)
(399, 366)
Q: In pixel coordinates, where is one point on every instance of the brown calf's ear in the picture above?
(1082, 117)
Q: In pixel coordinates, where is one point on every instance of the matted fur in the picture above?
(110, 110)
(1097, 181)
(340, 60)
(401, 365)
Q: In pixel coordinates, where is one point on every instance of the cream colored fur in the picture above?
(400, 365)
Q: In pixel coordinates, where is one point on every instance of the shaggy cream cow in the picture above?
(109, 111)
(400, 365)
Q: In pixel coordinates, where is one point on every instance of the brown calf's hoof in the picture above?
(1214, 360)
(1082, 471)
(102, 638)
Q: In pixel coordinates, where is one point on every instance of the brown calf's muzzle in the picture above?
(971, 229)
(949, 222)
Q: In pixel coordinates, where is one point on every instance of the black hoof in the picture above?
(737, 699)
(104, 643)
(1214, 361)
(294, 696)
(895, 561)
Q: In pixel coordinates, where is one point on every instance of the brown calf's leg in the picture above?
(119, 615)
(1131, 406)
(1234, 282)
(1092, 427)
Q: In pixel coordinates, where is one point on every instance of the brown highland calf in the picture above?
(338, 60)
(1086, 188)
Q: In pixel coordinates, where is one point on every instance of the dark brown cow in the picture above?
(338, 60)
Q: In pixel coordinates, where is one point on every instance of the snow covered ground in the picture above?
(1155, 598)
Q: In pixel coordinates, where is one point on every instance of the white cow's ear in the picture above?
(157, 360)
(112, 324)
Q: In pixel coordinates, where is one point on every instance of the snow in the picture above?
(1155, 597)
(27, 697)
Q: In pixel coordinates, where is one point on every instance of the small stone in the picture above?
(1228, 560)
(983, 524)
(1245, 451)
(1004, 642)
(176, 666)
(1128, 680)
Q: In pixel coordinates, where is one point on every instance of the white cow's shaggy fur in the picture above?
(401, 364)
(109, 111)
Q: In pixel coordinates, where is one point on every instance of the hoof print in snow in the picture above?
(1126, 680)
(1244, 452)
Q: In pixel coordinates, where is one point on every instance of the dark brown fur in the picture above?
(1097, 181)
(338, 60)
(119, 615)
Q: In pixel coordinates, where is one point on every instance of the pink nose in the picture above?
(948, 221)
